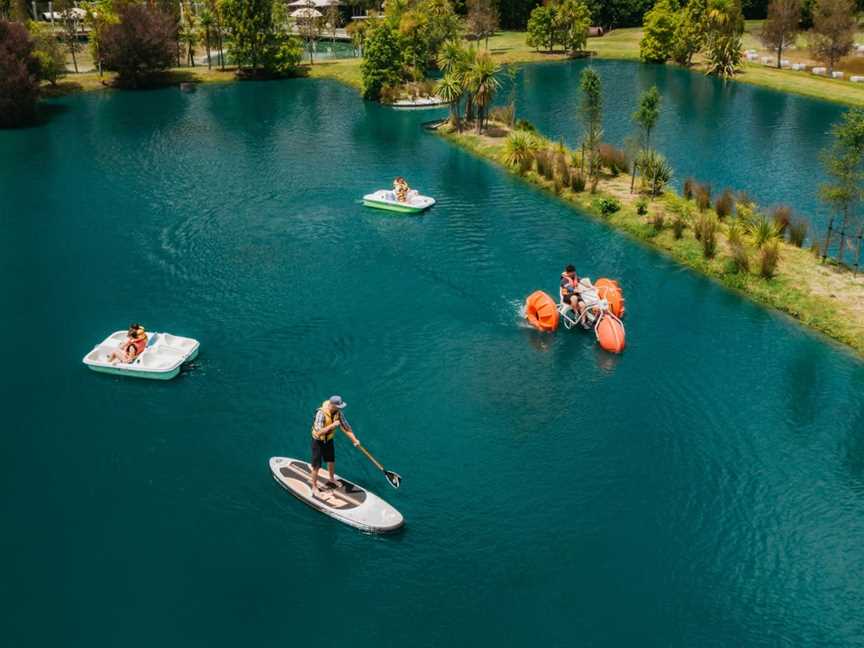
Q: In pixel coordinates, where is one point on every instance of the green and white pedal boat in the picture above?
(384, 199)
(161, 360)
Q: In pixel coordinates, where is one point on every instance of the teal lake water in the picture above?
(727, 134)
(705, 488)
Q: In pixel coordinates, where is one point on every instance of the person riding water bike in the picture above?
(571, 290)
(328, 417)
(132, 347)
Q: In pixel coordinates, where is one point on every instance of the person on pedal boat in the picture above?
(400, 189)
(571, 290)
(132, 347)
(328, 417)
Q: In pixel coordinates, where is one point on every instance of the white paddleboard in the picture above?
(350, 503)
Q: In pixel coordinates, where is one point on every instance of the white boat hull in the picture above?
(161, 360)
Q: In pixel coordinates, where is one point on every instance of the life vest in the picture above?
(137, 345)
(328, 420)
(573, 282)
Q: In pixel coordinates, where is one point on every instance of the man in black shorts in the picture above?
(328, 417)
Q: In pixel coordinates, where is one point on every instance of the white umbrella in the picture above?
(306, 12)
(302, 3)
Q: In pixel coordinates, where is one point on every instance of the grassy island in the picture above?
(821, 296)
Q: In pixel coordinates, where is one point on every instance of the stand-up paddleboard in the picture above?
(350, 503)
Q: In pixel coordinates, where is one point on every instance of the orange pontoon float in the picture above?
(541, 311)
(609, 290)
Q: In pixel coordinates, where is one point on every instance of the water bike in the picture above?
(160, 360)
(385, 199)
(604, 307)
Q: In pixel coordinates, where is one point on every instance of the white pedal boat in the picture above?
(161, 359)
(350, 504)
(385, 199)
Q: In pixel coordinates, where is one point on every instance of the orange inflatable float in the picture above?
(541, 311)
(610, 333)
(609, 290)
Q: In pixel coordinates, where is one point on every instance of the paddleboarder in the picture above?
(328, 417)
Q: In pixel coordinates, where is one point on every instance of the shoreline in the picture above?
(510, 48)
(821, 297)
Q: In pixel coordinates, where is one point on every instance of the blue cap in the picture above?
(337, 401)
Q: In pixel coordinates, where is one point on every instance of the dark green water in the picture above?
(727, 134)
(706, 488)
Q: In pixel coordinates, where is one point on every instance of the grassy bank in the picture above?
(823, 297)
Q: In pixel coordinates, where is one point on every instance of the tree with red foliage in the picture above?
(19, 75)
(142, 43)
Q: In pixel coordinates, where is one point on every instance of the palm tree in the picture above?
(206, 22)
(452, 57)
(451, 88)
(483, 83)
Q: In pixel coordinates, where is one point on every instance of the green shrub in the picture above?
(769, 258)
(519, 149)
(725, 204)
(658, 222)
(577, 181)
(798, 232)
(762, 230)
(557, 186)
(524, 125)
(655, 170)
(642, 206)
(608, 206)
(735, 233)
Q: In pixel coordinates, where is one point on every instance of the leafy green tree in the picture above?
(541, 28)
(257, 44)
(382, 60)
(591, 112)
(689, 32)
(49, 51)
(781, 26)
(249, 24)
(844, 164)
(573, 20)
(658, 40)
(834, 25)
(645, 117)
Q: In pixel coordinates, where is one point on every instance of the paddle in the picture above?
(392, 477)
